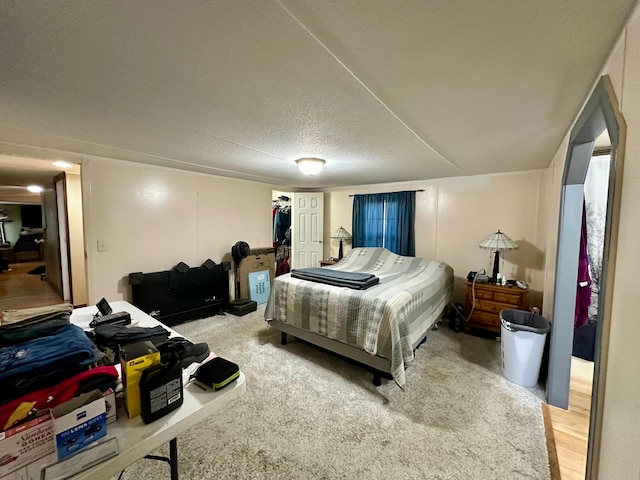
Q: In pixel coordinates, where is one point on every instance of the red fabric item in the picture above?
(282, 267)
(60, 393)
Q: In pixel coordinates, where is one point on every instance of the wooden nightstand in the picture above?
(490, 299)
(328, 261)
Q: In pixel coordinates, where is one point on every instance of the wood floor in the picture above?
(19, 289)
(570, 428)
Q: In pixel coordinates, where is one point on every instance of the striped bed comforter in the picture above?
(387, 319)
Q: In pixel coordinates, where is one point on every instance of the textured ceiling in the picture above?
(383, 91)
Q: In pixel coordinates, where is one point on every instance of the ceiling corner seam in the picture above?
(367, 89)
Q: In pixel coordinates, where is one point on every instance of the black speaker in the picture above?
(135, 278)
(181, 267)
(209, 264)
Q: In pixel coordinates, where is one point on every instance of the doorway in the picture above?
(298, 221)
(45, 288)
(599, 114)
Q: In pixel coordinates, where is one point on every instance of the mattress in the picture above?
(387, 319)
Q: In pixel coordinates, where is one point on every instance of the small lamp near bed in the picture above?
(341, 234)
(498, 242)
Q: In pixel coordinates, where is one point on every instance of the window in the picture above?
(385, 220)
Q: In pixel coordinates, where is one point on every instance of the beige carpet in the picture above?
(310, 414)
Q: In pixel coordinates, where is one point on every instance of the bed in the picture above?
(380, 326)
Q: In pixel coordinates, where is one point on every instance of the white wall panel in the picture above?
(621, 409)
(453, 215)
(151, 218)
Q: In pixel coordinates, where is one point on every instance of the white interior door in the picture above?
(307, 216)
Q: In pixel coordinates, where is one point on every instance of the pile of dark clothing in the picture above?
(45, 360)
(109, 339)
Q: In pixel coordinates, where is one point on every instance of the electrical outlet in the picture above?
(102, 246)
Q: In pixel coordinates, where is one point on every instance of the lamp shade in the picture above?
(310, 166)
(341, 233)
(499, 241)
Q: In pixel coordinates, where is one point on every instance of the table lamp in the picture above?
(498, 242)
(341, 234)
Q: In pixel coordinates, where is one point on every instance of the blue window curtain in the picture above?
(385, 220)
(399, 231)
(368, 220)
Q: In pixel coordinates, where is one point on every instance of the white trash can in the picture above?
(523, 338)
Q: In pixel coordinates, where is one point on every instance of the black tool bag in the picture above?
(217, 373)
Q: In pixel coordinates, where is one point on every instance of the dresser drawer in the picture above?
(492, 307)
(489, 321)
(489, 301)
(483, 294)
(506, 298)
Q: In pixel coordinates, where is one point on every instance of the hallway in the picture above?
(20, 289)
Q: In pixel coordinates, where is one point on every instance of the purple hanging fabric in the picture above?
(583, 293)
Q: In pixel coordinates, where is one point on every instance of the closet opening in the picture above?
(281, 217)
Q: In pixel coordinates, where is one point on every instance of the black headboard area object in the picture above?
(182, 293)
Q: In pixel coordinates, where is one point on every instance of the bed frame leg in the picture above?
(283, 338)
(376, 379)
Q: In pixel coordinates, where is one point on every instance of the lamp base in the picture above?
(496, 268)
(340, 251)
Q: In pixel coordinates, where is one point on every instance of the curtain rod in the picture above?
(421, 190)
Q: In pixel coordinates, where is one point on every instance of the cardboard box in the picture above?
(134, 358)
(110, 405)
(26, 443)
(79, 422)
(259, 259)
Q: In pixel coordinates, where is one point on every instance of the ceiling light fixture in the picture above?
(35, 188)
(310, 166)
(61, 164)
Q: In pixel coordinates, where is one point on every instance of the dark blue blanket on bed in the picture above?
(355, 280)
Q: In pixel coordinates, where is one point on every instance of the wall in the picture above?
(621, 419)
(149, 218)
(620, 437)
(454, 215)
(12, 228)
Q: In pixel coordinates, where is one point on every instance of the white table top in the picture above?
(135, 439)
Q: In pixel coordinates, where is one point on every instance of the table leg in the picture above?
(173, 458)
